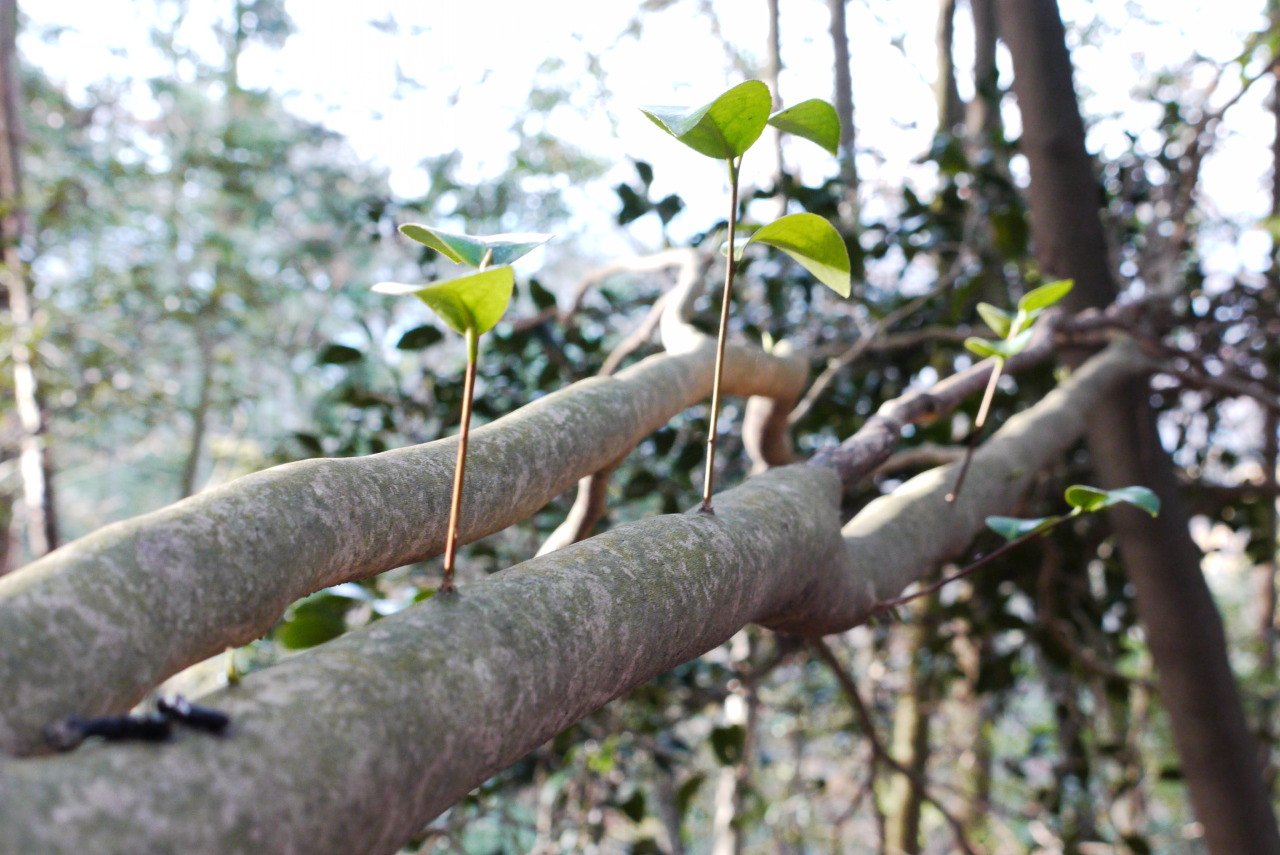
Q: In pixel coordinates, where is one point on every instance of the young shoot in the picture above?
(1082, 500)
(1015, 331)
(470, 306)
(724, 130)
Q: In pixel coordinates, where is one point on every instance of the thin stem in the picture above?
(989, 394)
(886, 605)
(981, 420)
(729, 270)
(455, 504)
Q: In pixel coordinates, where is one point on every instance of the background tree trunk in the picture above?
(1182, 625)
(950, 107)
(844, 106)
(34, 467)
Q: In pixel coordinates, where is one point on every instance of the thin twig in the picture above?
(865, 342)
(887, 605)
(878, 750)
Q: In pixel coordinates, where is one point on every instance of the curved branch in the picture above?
(416, 709)
(118, 611)
(764, 430)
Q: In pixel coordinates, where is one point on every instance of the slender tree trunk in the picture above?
(34, 467)
(199, 418)
(947, 94)
(1266, 570)
(982, 113)
(1182, 625)
(844, 107)
(911, 738)
(740, 710)
(772, 71)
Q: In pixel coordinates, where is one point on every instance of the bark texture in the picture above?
(1182, 625)
(354, 745)
(91, 627)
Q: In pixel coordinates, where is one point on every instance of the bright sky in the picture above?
(476, 61)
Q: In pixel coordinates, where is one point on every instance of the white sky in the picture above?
(476, 61)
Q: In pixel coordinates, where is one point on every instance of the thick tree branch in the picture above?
(418, 708)
(121, 609)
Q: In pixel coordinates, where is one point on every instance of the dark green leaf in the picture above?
(686, 791)
(419, 338)
(542, 298)
(634, 807)
(339, 354)
(471, 250)
(728, 743)
(723, 129)
(814, 120)
(645, 171)
(815, 244)
(314, 620)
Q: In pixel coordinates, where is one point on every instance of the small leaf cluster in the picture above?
(470, 305)
(1082, 499)
(728, 126)
(1015, 329)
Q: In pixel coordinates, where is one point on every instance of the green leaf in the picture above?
(1011, 347)
(723, 129)
(814, 120)
(686, 792)
(1045, 296)
(982, 347)
(999, 320)
(1012, 528)
(1003, 349)
(469, 249)
(314, 620)
(419, 338)
(338, 354)
(634, 807)
(815, 244)
(472, 303)
(1092, 499)
(728, 743)
(1086, 498)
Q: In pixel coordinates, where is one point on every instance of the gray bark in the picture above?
(218, 569)
(354, 745)
(843, 73)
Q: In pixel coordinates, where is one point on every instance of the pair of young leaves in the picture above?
(727, 127)
(1082, 499)
(469, 305)
(723, 129)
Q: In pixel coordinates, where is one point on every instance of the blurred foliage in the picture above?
(206, 264)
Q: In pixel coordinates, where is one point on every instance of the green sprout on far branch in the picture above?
(1082, 500)
(471, 306)
(1015, 331)
(725, 129)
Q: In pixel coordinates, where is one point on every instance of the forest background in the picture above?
(204, 226)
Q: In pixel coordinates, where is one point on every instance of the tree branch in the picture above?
(418, 708)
